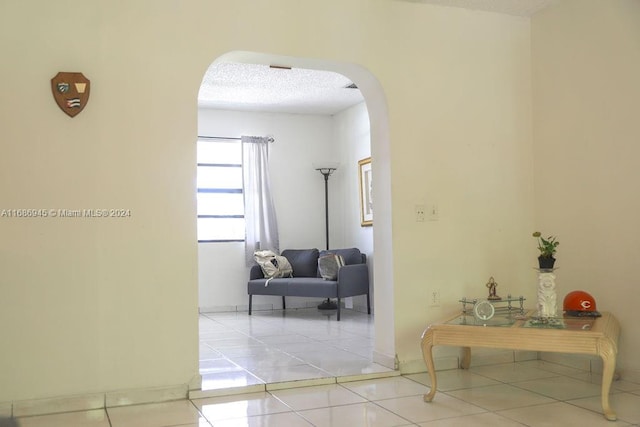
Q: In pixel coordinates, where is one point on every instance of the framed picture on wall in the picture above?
(366, 204)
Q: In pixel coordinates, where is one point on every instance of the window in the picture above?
(219, 198)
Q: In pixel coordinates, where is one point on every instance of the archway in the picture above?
(382, 279)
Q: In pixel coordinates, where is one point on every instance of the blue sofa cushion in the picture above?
(303, 261)
(350, 255)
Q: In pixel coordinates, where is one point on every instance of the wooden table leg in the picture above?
(427, 346)
(607, 352)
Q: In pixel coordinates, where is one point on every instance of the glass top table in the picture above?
(571, 323)
(525, 331)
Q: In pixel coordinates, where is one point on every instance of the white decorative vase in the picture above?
(547, 298)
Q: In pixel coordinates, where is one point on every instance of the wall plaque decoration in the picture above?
(71, 92)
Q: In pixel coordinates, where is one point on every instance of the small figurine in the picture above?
(492, 285)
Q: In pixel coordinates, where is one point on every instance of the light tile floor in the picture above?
(280, 347)
(532, 393)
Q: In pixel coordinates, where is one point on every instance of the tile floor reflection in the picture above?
(280, 347)
(239, 351)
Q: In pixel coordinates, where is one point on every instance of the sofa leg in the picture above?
(250, 296)
(284, 306)
(338, 303)
(368, 305)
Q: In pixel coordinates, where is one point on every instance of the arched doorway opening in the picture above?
(380, 233)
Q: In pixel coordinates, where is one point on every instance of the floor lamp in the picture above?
(326, 170)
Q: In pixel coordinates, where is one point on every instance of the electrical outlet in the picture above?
(421, 213)
(434, 298)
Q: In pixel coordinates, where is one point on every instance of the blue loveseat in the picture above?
(352, 280)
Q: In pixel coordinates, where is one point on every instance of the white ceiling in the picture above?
(258, 87)
(255, 87)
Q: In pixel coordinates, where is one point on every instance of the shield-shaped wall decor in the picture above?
(71, 92)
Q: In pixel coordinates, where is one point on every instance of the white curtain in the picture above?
(259, 212)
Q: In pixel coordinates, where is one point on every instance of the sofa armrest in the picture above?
(256, 272)
(353, 280)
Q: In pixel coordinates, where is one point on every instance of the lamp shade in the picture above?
(326, 165)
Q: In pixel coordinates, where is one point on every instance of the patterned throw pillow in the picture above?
(328, 266)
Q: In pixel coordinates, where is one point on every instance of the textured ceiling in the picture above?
(253, 87)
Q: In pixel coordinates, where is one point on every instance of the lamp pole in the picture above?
(326, 172)
(326, 204)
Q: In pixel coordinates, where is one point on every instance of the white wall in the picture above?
(586, 57)
(461, 139)
(298, 191)
(83, 301)
(353, 135)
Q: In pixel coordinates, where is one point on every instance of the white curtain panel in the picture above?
(259, 211)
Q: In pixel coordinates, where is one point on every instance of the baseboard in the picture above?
(149, 395)
(25, 408)
(291, 303)
(361, 308)
(524, 356)
(385, 360)
(582, 362)
(418, 366)
(235, 308)
(196, 382)
(88, 402)
(479, 357)
(491, 356)
(6, 410)
(630, 375)
(218, 309)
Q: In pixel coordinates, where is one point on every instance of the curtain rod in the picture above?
(225, 138)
